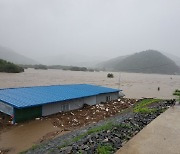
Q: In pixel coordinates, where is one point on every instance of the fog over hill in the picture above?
(11, 56)
(72, 59)
(110, 64)
(150, 61)
(176, 59)
(68, 59)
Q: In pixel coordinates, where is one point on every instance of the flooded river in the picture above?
(134, 85)
(21, 137)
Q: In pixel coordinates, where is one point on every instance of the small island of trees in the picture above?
(40, 66)
(110, 75)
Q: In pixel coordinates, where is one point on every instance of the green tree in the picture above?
(9, 67)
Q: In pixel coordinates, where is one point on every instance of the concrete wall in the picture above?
(114, 96)
(53, 108)
(76, 103)
(103, 97)
(90, 100)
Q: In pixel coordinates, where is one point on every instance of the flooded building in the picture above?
(31, 102)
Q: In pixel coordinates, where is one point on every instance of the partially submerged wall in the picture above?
(24, 114)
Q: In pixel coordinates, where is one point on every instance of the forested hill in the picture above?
(150, 61)
(9, 67)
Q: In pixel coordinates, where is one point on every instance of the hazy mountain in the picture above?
(176, 59)
(110, 64)
(10, 55)
(149, 61)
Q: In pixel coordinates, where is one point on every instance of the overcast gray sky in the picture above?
(89, 27)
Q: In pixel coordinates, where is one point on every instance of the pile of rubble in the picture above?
(90, 114)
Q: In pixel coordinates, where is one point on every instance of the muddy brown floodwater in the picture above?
(134, 85)
(23, 136)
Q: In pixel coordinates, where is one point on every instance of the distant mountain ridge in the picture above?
(11, 56)
(110, 64)
(150, 61)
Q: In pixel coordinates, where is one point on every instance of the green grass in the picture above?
(66, 143)
(177, 93)
(142, 107)
(105, 127)
(105, 149)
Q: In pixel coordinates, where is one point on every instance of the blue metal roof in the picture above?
(39, 95)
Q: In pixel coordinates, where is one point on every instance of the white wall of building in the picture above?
(76, 104)
(53, 108)
(90, 100)
(5, 108)
(103, 97)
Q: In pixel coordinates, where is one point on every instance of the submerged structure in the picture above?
(31, 102)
